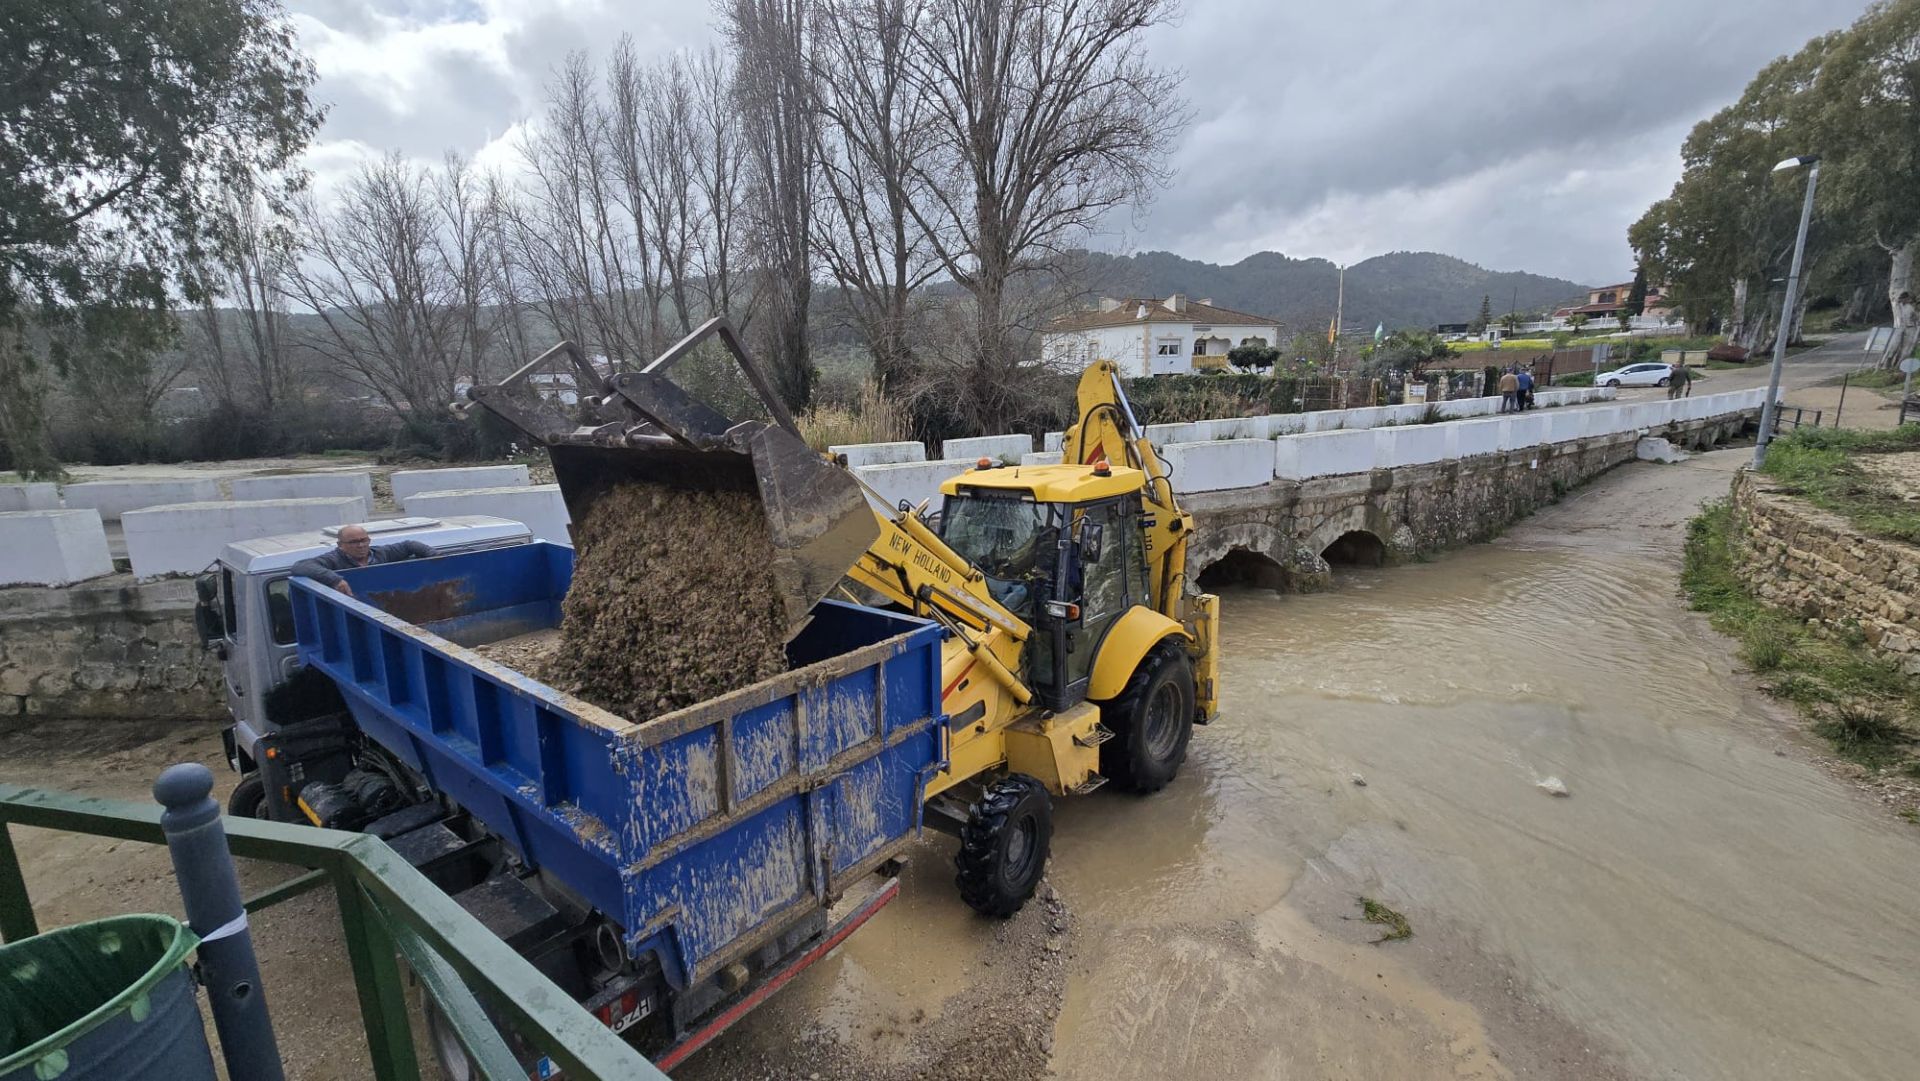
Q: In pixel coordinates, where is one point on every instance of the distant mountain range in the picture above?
(1401, 290)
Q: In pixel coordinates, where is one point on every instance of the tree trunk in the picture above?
(1906, 306)
(1855, 311)
(1738, 332)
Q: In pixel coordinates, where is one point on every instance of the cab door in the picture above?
(1100, 584)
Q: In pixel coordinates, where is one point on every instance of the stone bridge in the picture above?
(1279, 501)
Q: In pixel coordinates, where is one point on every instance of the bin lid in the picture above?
(57, 986)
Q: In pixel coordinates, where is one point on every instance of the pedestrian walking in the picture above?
(1525, 388)
(1680, 383)
(1509, 391)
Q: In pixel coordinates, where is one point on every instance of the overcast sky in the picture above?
(1518, 134)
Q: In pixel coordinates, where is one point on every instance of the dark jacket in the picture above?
(322, 568)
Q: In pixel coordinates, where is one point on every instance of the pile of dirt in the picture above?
(672, 602)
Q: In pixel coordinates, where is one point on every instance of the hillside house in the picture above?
(1148, 336)
(1605, 302)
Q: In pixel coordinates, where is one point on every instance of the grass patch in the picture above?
(1862, 704)
(1871, 379)
(1819, 465)
(1575, 379)
(1396, 924)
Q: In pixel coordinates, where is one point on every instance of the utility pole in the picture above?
(1767, 411)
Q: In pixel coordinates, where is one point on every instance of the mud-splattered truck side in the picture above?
(671, 873)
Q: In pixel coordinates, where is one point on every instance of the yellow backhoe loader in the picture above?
(1077, 651)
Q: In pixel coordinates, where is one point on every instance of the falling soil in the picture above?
(672, 603)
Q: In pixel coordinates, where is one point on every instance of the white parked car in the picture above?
(1649, 374)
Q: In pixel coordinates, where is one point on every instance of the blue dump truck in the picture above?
(669, 874)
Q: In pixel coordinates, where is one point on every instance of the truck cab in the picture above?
(245, 615)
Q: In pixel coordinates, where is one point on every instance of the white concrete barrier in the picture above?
(184, 537)
(1322, 454)
(306, 486)
(1040, 457)
(1607, 420)
(1053, 441)
(1325, 420)
(1288, 423)
(1411, 444)
(1219, 464)
(1526, 430)
(52, 547)
(1564, 426)
(15, 497)
(1481, 435)
(1469, 407)
(913, 482)
(114, 498)
(411, 482)
(859, 454)
(1002, 448)
(1605, 394)
(539, 507)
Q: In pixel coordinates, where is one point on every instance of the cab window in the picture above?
(280, 611)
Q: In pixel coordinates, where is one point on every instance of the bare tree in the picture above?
(1049, 117)
(401, 278)
(874, 137)
(771, 42)
(718, 172)
(244, 352)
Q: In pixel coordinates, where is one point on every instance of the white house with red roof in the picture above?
(1153, 336)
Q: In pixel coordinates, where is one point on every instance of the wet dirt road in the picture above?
(1706, 903)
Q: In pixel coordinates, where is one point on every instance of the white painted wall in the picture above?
(1323, 454)
(306, 486)
(1218, 465)
(114, 498)
(409, 482)
(1001, 448)
(539, 507)
(1412, 444)
(185, 537)
(52, 547)
(1480, 435)
(914, 482)
(29, 497)
(859, 454)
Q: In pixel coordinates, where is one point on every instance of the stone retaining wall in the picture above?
(109, 648)
(1815, 565)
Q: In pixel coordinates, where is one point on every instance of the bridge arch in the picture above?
(1355, 548)
(1353, 537)
(1241, 553)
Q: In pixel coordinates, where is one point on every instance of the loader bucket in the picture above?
(646, 429)
(817, 519)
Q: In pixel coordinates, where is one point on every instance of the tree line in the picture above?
(906, 177)
(1724, 238)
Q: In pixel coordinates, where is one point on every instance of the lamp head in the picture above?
(1795, 163)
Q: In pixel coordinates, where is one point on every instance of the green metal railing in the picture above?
(388, 910)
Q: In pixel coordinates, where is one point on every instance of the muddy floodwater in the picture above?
(1706, 901)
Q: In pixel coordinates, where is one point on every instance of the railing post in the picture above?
(16, 908)
(211, 893)
(376, 976)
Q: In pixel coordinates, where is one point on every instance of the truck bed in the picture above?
(704, 831)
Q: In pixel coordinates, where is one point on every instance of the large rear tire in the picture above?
(1004, 845)
(1152, 722)
(249, 799)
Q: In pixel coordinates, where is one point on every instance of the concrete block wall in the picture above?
(1219, 464)
(410, 482)
(306, 486)
(1323, 454)
(1526, 430)
(859, 454)
(114, 498)
(1040, 457)
(1564, 426)
(52, 547)
(913, 482)
(539, 507)
(15, 497)
(1001, 448)
(1411, 444)
(1481, 435)
(184, 537)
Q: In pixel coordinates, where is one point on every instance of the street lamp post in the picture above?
(1786, 311)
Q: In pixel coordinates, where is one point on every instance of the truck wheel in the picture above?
(1003, 846)
(1152, 722)
(249, 799)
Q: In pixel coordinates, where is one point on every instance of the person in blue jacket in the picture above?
(354, 548)
(1526, 389)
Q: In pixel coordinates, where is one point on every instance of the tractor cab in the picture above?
(1062, 547)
